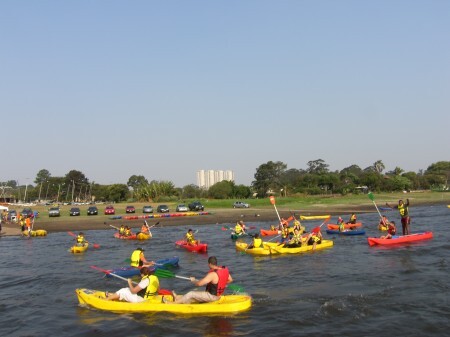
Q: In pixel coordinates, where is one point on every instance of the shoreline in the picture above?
(215, 216)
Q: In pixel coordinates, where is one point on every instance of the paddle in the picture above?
(112, 274)
(272, 201)
(96, 245)
(113, 226)
(164, 273)
(372, 197)
(317, 229)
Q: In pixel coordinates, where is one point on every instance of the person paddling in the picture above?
(190, 239)
(216, 281)
(138, 259)
(146, 289)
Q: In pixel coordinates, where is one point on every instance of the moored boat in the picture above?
(198, 248)
(313, 217)
(396, 239)
(38, 232)
(227, 304)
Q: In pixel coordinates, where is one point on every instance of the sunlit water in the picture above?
(349, 290)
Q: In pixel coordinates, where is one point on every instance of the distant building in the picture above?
(207, 178)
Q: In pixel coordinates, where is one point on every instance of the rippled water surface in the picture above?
(349, 290)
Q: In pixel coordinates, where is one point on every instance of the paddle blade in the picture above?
(236, 288)
(371, 196)
(164, 273)
(71, 234)
(96, 245)
(272, 199)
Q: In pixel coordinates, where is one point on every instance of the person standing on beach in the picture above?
(403, 209)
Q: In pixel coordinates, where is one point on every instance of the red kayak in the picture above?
(200, 248)
(124, 237)
(400, 239)
(268, 232)
(347, 225)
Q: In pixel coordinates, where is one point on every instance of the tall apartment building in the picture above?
(207, 178)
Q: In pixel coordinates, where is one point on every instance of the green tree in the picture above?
(317, 167)
(221, 190)
(136, 181)
(268, 176)
(42, 176)
(117, 192)
(378, 166)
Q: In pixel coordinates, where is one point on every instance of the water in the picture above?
(349, 290)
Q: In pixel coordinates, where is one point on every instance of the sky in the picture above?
(166, 88)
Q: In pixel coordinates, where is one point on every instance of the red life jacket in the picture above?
(219, 288)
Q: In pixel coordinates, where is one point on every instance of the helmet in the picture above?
(141, 249)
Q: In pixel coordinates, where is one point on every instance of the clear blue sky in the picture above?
(165, 88)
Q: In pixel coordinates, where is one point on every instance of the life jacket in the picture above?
(219, 288)
(403, 210)
(353, 218)
(296, 238)
(257, 242)
(190, 238)
(238, 229)
(285, 232)
(80, 239)
(391, 229)
(127, 232)
(121, 230)
(152, 288)
(144, 229)
(316, 238)
(28, 222)
(342, 227)
(136, 258)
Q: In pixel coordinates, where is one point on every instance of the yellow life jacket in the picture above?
(257, 242)
(135, 258)
(190, 238)
(403, 210)
(80, 239)
(121, 230)
(152, 288)
(238, 229)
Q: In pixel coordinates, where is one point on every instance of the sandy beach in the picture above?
(219, 216)
(214, 216)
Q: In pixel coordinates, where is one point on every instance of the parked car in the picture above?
(240, 204)
(27, 213)
(12, 214)
(130, 209)
(74, 211)
(54, 211)
(196, 206)
(93, 210)
(147, 209)
(182, 208)
(162, 209)
(110, 210)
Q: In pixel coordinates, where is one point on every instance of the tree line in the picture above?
(270, 178)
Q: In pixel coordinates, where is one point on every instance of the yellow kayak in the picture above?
(38, 232)
(79, 249)
(227, 304)
(242, 247)
(143, 236)
(313, 217)
(273, 246)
